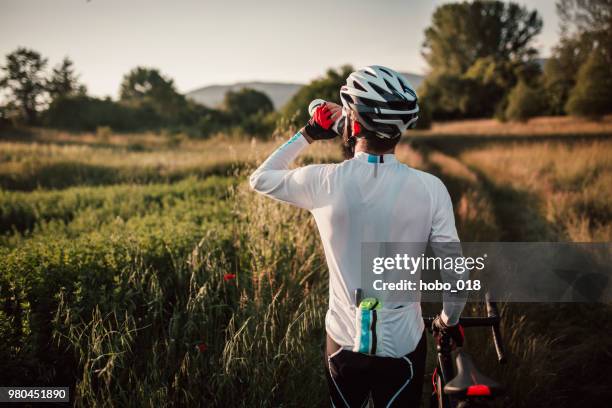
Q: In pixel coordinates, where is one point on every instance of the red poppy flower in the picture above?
(201, 347)
(229, 276)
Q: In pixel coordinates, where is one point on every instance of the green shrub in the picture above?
(118, 296)
(82, 112)
(592, 95)
(247, 102)
(24, 212)
(525, 102)
(453, 97)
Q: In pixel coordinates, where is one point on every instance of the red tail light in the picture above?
(478, 390)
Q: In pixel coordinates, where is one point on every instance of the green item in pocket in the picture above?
(370, 304)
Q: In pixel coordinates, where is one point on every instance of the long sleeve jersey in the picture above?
(365, 199)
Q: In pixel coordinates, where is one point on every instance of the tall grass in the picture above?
(55, 160)
(86, 208)
(144, 305)
(551, 348)
(201, 292)
(569, 184)
(262, 330)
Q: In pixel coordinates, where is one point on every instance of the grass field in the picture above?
(142, 271)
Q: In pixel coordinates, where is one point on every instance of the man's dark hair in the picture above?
(374, 144)
(379, 145)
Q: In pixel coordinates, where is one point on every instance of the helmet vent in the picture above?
(386, 72)
(391, 88)
(368, 102)
(358, 86)
(347, 98)
(379, 89)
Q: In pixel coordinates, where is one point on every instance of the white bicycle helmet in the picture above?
(383, 101)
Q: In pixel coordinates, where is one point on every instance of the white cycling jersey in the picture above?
(352, 205)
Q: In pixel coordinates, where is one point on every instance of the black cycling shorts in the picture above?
(353, 378)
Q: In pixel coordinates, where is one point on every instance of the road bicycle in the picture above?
(456, 380)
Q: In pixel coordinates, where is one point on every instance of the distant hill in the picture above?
(278, 92)
(212, 95)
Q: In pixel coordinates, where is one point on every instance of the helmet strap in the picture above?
(348, 139)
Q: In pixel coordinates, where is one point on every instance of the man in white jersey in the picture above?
(371, 197)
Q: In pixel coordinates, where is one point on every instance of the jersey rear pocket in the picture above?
(384, 332)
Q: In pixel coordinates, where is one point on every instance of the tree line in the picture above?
(482, 63)
(148, 100)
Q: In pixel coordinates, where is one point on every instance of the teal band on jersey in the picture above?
(365, 337)
(293, 139)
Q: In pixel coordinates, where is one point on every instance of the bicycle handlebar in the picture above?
(492, 320)
(469, 321)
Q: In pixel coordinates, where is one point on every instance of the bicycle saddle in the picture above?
(469, 381)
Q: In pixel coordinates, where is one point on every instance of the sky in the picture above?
(202, 42)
